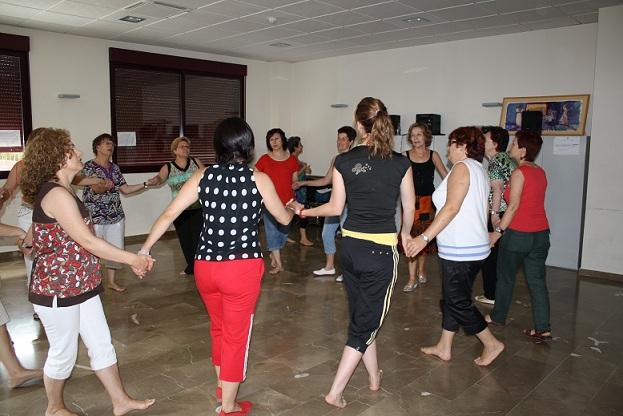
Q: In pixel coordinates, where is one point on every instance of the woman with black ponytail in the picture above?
(370, 176)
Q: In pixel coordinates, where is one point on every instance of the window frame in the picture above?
(146, 61)
(19, 46)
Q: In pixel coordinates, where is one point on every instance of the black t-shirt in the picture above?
(372, 189)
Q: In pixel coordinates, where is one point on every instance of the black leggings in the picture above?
(188, 227)
(370, 272)
(457, 307)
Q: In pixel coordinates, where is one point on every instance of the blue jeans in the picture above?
(276, 234)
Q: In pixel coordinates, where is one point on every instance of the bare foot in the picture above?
(275, 270)
(116, 287)
(337, 401)
(375, 384)
(306, 243)
(489, 354)
(289, 240)
(131, 404)
(438, 352)
(59, 412)
(25, 378)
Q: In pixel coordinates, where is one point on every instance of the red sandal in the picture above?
(219, 394)
(540, 335)
(245, 409)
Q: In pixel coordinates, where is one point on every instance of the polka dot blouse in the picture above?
(231, 207)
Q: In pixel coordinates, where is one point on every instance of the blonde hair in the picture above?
(373, 116)
(45, 155)
(176, 142)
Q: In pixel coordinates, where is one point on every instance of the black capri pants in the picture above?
(457, 306)
(370, 272)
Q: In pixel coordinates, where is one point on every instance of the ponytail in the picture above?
(373, 116)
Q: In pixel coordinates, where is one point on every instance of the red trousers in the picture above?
(229, 290)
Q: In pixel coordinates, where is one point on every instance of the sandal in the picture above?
(540, 335)
(245, 409)
(409, 287)
(491, 322)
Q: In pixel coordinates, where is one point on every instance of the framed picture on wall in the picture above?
(563, 115)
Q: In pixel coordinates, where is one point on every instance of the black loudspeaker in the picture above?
(396, 123)
(433, 121)
(532, 121)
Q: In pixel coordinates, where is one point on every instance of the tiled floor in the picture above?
(160, 331)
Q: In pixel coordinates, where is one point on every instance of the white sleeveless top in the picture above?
(466, 237)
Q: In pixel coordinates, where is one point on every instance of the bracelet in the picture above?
(144, 185)
(425, 237)
(143, 253)
(499, 230)
(492, 212)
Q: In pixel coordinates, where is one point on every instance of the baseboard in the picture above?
(133, 239)
(594, 274)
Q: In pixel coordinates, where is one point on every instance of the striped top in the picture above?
(466, 237)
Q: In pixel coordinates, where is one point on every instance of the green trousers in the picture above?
(530, 250)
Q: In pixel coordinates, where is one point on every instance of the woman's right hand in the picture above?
(142, 264)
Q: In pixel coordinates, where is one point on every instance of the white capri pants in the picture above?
(114, 234)
(64, 325)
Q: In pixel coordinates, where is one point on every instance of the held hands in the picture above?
(142, 264)
(493, 238)
(296, 185)
(495, 221)
(412, 245)
(24, 246)
(295, 207)
(153, 181)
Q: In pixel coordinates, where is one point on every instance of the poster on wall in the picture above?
(563, 115)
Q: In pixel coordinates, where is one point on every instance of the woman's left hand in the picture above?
(414, 246)
(295, 207)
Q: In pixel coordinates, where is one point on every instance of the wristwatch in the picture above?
(145, 185)
(425, 237)
(492, 212)
(498, 230)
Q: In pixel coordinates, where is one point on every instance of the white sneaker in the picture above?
(324, 272)
(339, 279)
(483, 299)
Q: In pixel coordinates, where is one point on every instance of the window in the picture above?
(15, 114)
(156, 98)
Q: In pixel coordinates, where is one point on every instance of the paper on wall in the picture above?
(564, 145)
(10, 138)
(126, 138)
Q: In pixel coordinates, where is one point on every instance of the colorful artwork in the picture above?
(563, 115)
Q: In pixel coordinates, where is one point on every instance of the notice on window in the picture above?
(126, 138)
(567, 145)
(10, 138)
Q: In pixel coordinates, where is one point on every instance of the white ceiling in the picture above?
(311, 28)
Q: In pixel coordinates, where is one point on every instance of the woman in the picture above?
(424, 162)
(460, 227)
(499, 170)
(371, 176)
(345, 137)
(66, 279)
(228, 265)
(18, 376)
(295, 147)
(526, 236)
(24, 213)
(105, 204)
(188, 223)
(282, 169)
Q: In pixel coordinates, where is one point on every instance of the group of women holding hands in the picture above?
(217, 210)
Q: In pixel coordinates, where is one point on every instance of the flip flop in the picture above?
(540, 335)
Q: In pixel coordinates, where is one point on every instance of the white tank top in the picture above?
(466, 237)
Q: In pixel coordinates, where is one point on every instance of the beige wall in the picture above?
(603, 230)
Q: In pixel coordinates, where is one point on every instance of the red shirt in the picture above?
(280, 172)
(530, 215)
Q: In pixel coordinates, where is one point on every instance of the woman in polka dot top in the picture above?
(228, 259)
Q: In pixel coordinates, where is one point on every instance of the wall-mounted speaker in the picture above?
(532, 121)
(433, 121)
(396, 123)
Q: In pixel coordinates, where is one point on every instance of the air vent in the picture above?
(132, 19)
(280, 45)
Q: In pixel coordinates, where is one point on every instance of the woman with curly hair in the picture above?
(370, 176)
(66, 278)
